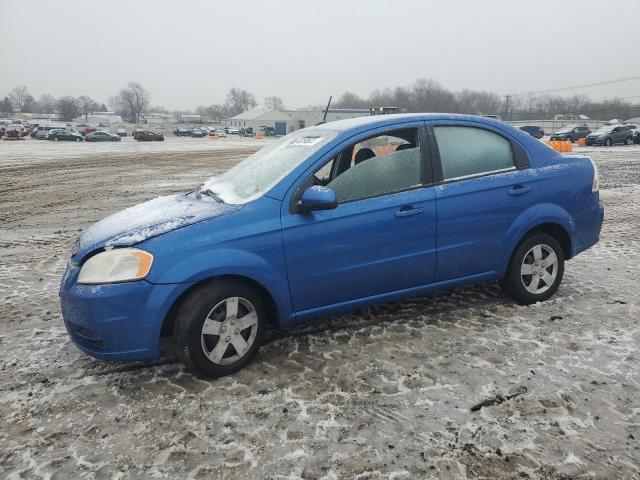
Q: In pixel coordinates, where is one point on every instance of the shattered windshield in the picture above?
(264, 169)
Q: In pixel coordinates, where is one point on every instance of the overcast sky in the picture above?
(189, 53)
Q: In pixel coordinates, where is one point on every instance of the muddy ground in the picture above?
(380, 393)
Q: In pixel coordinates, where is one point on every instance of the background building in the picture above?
(286, 121)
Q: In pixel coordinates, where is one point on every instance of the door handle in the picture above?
(519, 190)
(408, 212)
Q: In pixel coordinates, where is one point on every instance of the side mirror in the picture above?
(316, 198)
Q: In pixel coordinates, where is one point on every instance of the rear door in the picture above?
(485, 185)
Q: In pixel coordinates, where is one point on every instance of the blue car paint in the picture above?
(358, 254)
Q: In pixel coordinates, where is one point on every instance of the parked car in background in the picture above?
(148, 136)
(121, 132)
(232, 131)
(43, 130)
(532, 130)
(635, 131)
(611, 134)
(182, 132)
(197, 133)
(101, 136)
(221, 133)
(87, 130)
(330, 218)
(64, 135)
(571, 133)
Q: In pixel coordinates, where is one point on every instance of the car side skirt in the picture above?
(305, 315)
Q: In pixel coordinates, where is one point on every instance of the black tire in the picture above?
(569, 139)
(513, 281)
(629, 141)
(194, 311)
(607, 142)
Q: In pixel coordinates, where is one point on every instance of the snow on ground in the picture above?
(381, 393)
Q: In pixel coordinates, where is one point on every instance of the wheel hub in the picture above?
(539, 269)
(229, 330)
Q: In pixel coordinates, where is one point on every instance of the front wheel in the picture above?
(219, 327)
(629, 141)
(607, 142)
(535, 269)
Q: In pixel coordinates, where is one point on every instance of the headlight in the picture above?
(116, 265)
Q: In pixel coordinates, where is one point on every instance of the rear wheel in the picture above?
(219, 327)
(535, 269)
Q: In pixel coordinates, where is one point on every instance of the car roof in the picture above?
(374, 120)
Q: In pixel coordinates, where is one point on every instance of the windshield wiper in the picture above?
(209, 193)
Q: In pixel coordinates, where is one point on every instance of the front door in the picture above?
(381, 236)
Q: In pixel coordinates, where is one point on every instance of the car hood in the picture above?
(150, 219)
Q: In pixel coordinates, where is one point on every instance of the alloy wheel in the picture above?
(229, 330)
(539, 269)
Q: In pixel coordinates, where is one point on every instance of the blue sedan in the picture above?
(327, 219)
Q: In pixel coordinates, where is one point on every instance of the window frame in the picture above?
(520, 158)
(426, 162)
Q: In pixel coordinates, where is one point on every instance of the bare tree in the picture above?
(430, 96)
(213, 112)
(68, 108)
(29, 104)
(18, 95)
(47, 103)
(350, 100)
(273, 103)
(239, 101)
(5, 107)
(131, 101)
(478, 102)
(87, 105)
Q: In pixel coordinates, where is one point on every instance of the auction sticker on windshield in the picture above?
(305, 141)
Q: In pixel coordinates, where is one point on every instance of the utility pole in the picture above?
(507, 105)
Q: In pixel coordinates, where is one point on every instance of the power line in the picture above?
(587, 85)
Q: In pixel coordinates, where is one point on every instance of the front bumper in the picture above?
(116, 321)
(595, 141)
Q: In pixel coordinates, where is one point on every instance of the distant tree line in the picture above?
(67, 107)
(423, 95)
(426, 95)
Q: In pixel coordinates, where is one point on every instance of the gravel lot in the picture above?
(380, 393)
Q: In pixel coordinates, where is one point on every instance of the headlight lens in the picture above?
(116, 265)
